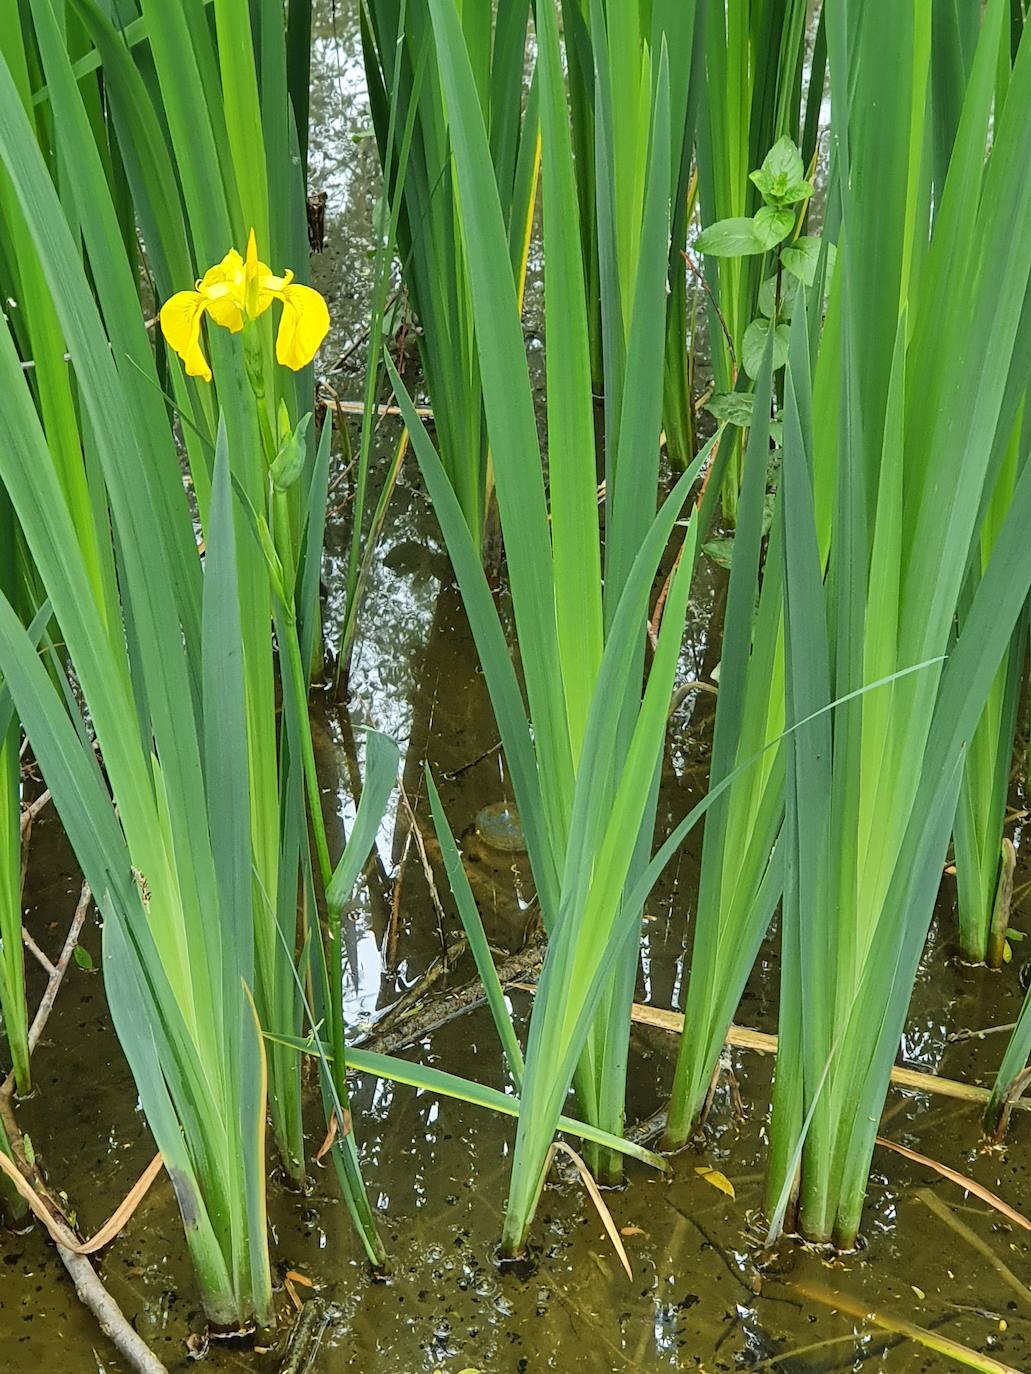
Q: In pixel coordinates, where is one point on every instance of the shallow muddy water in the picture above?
(704, 1296)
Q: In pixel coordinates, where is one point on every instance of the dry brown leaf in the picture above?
(331, 1134)
(718, 1180)
(292, 1293)
(60, 1233)
(594, 1193)
(327, 1144)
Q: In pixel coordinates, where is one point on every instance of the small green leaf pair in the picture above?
(781, 183)
(781, 179)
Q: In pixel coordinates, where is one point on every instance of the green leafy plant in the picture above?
(613, 62)
(785, 192)
(872, 788)
(758, 91)
(583, 746)
(1011, 1080)
(984, 858)
(402, 66)
(741, 873)
(194, 836)
(12, 959)
(203, 131)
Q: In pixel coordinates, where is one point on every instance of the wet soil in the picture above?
(704, 1296)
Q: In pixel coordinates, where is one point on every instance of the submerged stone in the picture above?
(498, 825)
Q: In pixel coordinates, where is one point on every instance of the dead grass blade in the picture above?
(945, 1214)
(953, 1350)
(594, 1192)
(60, 1233)
(970, 1185)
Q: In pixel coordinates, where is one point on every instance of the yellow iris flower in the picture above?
(237, 290)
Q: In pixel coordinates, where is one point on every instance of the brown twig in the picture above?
(110, 1317)
(358, 408)
(655, 623)
(1012, 1098)
(427, 868)
(30, 812)
(35, 950)
(956, 1036)
(46, 1002)
(693, 268)
(55, 973)
(742, 1038)
(419, 990)
(393, 928)
(91, 1291)
(464, 767)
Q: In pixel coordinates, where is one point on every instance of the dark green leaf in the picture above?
(768, 298)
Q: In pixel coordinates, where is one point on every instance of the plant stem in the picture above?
(354, 1192)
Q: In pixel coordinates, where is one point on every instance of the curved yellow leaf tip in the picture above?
(235, 291)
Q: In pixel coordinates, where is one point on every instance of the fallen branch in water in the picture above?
(419, 991)
(306, 1336)
(91, 1291)
(46, 1002)
(25, 1177)
(47, 1210)
(740, 1037)
(954, 1037)
(427, 869)
(438, 1011)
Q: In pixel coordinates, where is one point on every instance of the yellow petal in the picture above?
(256, 296)
(268, 281)
(304, 325)
(269, 288)
(230, 269)
(181, 317)
(225, 306)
